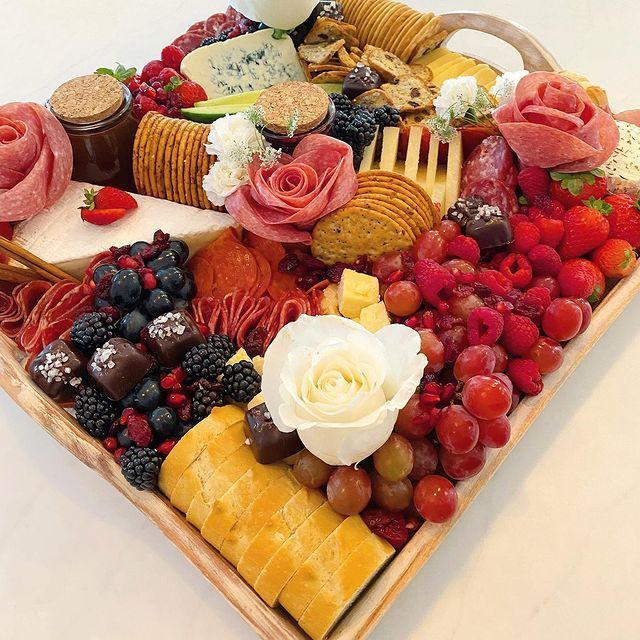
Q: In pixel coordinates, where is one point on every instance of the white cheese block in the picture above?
(59, 236)
(247, 63)
(623, 168)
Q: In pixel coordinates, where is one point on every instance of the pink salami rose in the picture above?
(552, 123)
(284, 201)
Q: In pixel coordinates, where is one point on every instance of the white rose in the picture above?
(506, 84)
(223, 179)
(456, 95)
(340, 386)
(273, 12)
(231, 133)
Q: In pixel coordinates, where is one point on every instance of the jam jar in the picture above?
(96, 112)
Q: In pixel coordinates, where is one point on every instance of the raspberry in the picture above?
(497, 283)
(539, 296)
(434, 281)
(534, 181)
(139, 430)
(517, 268)
(551, 208)
(464, 248)
(151, 70)
(551, 231)
(390, 526)
(525, 375)
(580, 278)
(172, 56)
(484, 326)
(525, 236)
(519, 334)
(166, 447)
(517, 218)
(544, 260)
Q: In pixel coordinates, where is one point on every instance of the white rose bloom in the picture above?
(456, 94)
(340, 386)
(506, 84)
(223, 179)
(275, 13)
(233, 132)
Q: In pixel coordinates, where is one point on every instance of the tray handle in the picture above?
(535, 56)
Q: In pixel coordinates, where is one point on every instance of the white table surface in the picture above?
(548, 551)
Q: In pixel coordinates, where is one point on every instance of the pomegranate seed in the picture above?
(412, 322)
(166, 447)
(148, 281)
(184, 412)
(110, 444)
(119, 453)
(394, 276)
(443, 307)
(177, 400)
(126, 414)
(130, 262)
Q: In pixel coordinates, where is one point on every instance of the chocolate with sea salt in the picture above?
(58, 370)
(170, 336)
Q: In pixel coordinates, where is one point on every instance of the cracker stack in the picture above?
(170, 160)
(388, 213)
(395, 27)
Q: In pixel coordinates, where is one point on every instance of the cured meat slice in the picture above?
(264, 273)
(190, 41)
(632, 116)
(494, 192)
(492, 159)
(25, 298)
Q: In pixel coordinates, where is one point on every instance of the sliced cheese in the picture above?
(374, 317)
(451, 57)
(277, 530)
(454, 172)
(369, 154)
(337, 595)
(270, 501)
(412, 160)
(228, 509)
(484, 74)
(290, 556)
(217, 451)
(320, 566)
(454, 71)
(432, 165)
(191, 446)
(59, 236)
(432, 56)
(329, 302)
(390, 141)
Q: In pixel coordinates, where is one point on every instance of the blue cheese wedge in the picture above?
(247, 63)
(623, 168)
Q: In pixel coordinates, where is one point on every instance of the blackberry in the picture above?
(387, 116)
(223, 344)
(341, 102)
(95, 412)
(204, 361)
(141, 466)
(356, 127)
(241, 381)
(92, 330)
(204, 401)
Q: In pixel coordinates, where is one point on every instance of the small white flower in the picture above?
(224, 178)
(506, 84)
(230, 132)
(456, 96)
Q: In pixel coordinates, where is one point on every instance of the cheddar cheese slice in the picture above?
(278, 529)
(450, 58)
(454, 172)
(412, 161)
(454, 71)
(304, 541)
(484, 74)
(337, 595)
(320, 566)
(390, 141)
(432, 56)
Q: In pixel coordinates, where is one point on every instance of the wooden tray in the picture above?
(275, 624)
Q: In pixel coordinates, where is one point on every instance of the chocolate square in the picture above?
(170, 336)
(268, 443)
(58, 370)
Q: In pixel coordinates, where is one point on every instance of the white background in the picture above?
(548, 551)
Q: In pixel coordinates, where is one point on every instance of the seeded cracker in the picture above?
(401, 198)
(196, 170)
(385, 208)
(149, 145)
(320, 53)
(188, 165)
(166, 134)
(175, 154)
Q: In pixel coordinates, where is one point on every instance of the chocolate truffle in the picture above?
(170, 336)
(58, 370)
(268, 443)
(118, 366)
(485, 223)
(360, 80)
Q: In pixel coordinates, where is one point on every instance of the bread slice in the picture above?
(373, 99)
(217, 451)
(277, 530)
(319, 53)
(193, 444)
(320, 566)
(410, 94)
(327, 29)
(388, 65)
(288, 559)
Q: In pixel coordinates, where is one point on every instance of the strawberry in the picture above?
(102, 217)
(615, 258)
(551, 231)
(172, 56)
(572, 189)
(580, 278)
(624, 219)
(190, 93)
(533, 181)
(109, 198)
(585, 228)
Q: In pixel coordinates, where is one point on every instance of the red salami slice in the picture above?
(632, 116)
(491, 159)
(25, 298)
(190, 41)
(494, 192)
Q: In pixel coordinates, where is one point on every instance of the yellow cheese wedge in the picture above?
(290, 556)
(217, 451)
(278, 529)
(439, 189)
(355, 292)
(257, 400)
(218, 483)
(484, 74)
(319, 568)
(390, 140)
(193, 444)
(454, 172)
(412, 161)
(345, 585)
(329, 302)
(454, 71)
(239, 356)
(374, 317)
(369, 154)
(443, 61)
(432, 56)
(258, 364)
(228, 509)
(432, 164)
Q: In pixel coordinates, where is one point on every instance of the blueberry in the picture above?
(188, 292)
(167, 258)
(180, 305)
(163, 422)
(126, 289)
(181, 248)
(101, 271)
(138, 247)
(101, 304)
(148, 395)
(156, 302)
(123, 438)
(171, 280)
(132, 324)
(127, 401)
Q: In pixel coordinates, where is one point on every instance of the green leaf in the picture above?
(599, 205)
(120, 73)
(575, 182)
(598, 173)
(628, 256)
(103, 71)
(89, 199)
(278, 34)
(637, 205)
(595, 295)
(173, 84)
(523, 201)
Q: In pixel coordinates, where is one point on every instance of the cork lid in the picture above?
(87, 99)
(301, 106)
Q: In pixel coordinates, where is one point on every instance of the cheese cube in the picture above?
(258, 364)
(355, 292)
(329, 302)
(258, 400)
(374, 317)
(239, 356)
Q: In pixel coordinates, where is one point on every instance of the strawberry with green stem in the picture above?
(585, 228)
(106, 206)
(572, 189)
(615, 258)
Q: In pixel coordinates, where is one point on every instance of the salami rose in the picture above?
(284, 201)
(552, 123)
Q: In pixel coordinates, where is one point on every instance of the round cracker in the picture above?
(196, 169)
(407, 35)
(185, 144)
(165, 169)
(403, 200)
(373, 19)
(203, 168)
(395, 26)
(190, 167)
(419, 30)
(386, 209)
(158, 128)
(392, 188)
(173, 163)
(143, 133)
(136, 154)
(378, 175)
(166, 134)
(147, 151)
(357, 14)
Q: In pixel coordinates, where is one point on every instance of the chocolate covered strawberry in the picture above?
(572, 189)
(585, 228)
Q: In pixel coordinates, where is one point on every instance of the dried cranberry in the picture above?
(334, 273)
(289, 263)
(103, 289)
(184, 412)
(110, 444)
(481, 289)
(392, 527)
(310, 263)
(117, 252)
(363, 265)
(448, 322)
(255, 343)
(150, 253)
(305, 282)
(161, 239)
(139, 430)
(529, 310)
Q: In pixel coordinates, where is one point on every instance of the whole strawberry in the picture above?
(585, 228)
(533, 181)
(615, 258)
(190, 93)
(580, 278)
(109, 198)
(572, 189)
(624, 219)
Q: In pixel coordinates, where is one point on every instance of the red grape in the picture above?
(476, 360)
(449, 229)
(431, 346)
(486, 397)
(435, 498)
(425, 459)
(394, 459)
(547, 354)
(391, 495)
(462, 306)
(562, 319)
(389, 263)
(457, 429)
(548, 282)
(455, 341)
(349, 490)
(413, 421)
(310, 471)
(506, 380)
(515, 400)
(587, 312)
(502, 358)
(431, 244)
(462, 266)
(402, 298)
(494, 433)
(465, 465)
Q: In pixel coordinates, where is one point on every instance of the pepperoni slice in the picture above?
(264, 271)
(234, 267)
